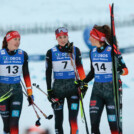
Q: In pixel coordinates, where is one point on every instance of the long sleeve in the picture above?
(79, 65)
(121, 64)
(26, 75)
(49, 68)
(90, 75)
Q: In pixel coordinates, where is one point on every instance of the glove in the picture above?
(30, 99)
(30, 95)
(82, 85)
(50, 94)
(55, 103)
(119, 71)
(69, 47)
(52, 99)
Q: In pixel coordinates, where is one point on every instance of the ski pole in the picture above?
(37, 123)
(72, 57)
(47, 117)
(37, 86)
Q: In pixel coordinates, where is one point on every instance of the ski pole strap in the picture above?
(6, 95)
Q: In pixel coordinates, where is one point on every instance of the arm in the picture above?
(26, 75)
(121, 64)
(90, 75)
(49, 69)
(79, 65)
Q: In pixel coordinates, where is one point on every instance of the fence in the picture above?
(84, 54)
(38, 28)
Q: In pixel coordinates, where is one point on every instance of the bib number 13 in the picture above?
(14, 70)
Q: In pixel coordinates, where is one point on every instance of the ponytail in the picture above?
(4, 44)
(107, 31)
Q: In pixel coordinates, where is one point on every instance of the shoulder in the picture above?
(49, 52)
(25, 53)
(2, 51)
(54, 49)
(93, 50)
(20, 51)
(109, 48)
(77, 50)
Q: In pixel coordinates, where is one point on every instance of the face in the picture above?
(94, 42)
(62, 40)
(13, 44)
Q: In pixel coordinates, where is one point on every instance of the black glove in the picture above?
(82, 85)
(52, 99)
(55, 103)
(119, 70)
(68, 48)
(50, 94)
(30, 99)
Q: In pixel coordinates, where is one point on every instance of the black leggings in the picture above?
(73, 107)
(10, 109)
(102, 95)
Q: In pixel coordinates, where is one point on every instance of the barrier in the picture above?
(36, 58)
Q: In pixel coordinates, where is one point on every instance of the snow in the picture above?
(57, 12)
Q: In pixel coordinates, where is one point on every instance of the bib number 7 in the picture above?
(65, 62)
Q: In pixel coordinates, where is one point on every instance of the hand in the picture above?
(84, 89)
(119, 71)
(69, 47)
(55, 103)
(52, 99)
(50, 94)
(82, 85)
(30, 99)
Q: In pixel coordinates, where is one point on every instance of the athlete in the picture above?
(13, 62)
(101, 71)
(58, 61)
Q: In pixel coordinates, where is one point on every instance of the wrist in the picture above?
(29, 91)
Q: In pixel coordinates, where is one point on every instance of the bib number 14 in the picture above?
(100, 67)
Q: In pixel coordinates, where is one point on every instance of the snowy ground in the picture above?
(28, 117)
